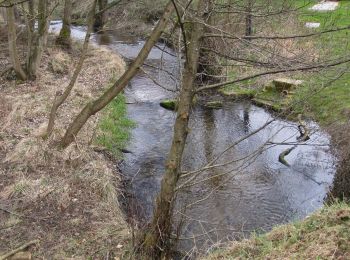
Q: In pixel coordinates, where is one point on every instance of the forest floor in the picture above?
(65, 199)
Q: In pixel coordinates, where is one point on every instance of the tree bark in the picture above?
(156, 240)
(93, 107)
(60, 98)
(208, 61)
(39, 39)
(248, 19)
(64, 38)
(100, 20)
(12, 40)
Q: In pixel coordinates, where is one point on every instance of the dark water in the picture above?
(253, 192)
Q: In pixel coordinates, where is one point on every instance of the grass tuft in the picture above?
(323, 235)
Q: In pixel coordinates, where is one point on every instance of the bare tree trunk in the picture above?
(12, 36)
(93, 107)
(3, 18)
(208, 61)
(39, 39)
(101, 17)
(64, 38)
(29, 17)
(157, 238)
(248, 19)
(61, 97)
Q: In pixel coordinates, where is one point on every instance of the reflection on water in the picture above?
(254, 192)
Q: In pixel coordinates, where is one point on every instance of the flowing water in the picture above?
(251, 193)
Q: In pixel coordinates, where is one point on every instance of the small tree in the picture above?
(37, 37)
(12, 36)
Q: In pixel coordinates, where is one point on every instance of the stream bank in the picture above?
(252, 193)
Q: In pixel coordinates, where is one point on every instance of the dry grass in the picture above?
(324, 235)
(65, 198)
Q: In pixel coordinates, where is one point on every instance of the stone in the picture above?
(312, 25)
(325, 6)
(169, 104)
(282, 84)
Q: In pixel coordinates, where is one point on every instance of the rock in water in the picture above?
(214, 104)
(169, 104)
(286, 84)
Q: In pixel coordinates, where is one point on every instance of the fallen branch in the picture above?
(21, 248)
(11, 213)
(304, 132)
(281, 157)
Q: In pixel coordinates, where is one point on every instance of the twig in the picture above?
(5, 256)
(10, 212)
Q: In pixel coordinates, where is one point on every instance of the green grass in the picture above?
(322, 98)
(327, 103)
(114, 126)
(323, 235)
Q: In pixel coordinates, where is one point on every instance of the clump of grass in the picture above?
(114, 126)
(323, 235)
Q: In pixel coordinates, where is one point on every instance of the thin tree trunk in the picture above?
(156, 241)
(101, 16)
(93, 107)
(64, 38)
(39, 40)
(248, 19)
(61, 97)
(30, 23)
(12, 40)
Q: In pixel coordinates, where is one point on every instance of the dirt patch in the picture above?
(65, 198)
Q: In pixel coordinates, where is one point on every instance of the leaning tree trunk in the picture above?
(12, 36)
(156, 240)
(64, 38)
(61, 97)
(93, 107)
(39, 39)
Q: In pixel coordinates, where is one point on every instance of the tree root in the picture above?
(18, 249)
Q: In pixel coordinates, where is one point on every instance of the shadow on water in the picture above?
(228, 201)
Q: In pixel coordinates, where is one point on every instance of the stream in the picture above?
(252, 193)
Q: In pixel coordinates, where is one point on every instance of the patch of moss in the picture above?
(214, 104)
(169, 104)
(237, 92)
